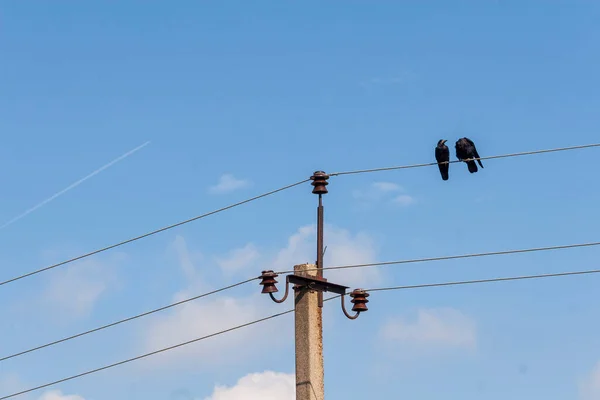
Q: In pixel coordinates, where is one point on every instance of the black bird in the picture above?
(442, 154)
(465, 149)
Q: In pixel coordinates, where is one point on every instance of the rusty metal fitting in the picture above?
(269, 285)
(319, 181)
(359, 299)
(268, 281)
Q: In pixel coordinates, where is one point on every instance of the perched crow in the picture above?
(465, 149)
(442, 154)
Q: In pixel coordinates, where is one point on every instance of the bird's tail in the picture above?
(444, 171)
(478, 160)
(472, 166)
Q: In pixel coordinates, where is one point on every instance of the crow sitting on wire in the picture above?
(442, 154)
(465, 149)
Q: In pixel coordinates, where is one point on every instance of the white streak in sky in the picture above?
(74, 185)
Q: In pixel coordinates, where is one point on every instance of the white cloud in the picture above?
(589, 388)
(343, 248)
(381, 191)
(186, 258)
(78, 287)
(57, 395)
(204, 317)
(239, 259)
(386, 187)
(11, 383)
(445, 327)
(404, 200)
(376, 191)
(209, 315)
(259, 386)
(228, 183)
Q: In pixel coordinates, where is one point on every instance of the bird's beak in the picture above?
(444, 141)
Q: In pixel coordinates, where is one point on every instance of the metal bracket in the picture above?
(318, 284)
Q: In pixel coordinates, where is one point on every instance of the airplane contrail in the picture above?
(72, 186)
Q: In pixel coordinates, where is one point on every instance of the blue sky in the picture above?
(260, 95)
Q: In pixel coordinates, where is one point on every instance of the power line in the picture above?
(525, 153)
(146, 355)
(289, 311)
(153, 353)
(268, 194)
(291, 271)
(339, 267)
(454, 257)
(510, 278)
(125, 320)
(153, 232)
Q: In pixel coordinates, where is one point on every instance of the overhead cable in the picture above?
(454, 257)
(430, 259)
(525, 153)
(510, 278)
(560, 274)
(145, 235)
(273, 192)
(125, 320)
(93, 371)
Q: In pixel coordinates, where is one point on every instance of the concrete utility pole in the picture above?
(309, 285)
(309, 339)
